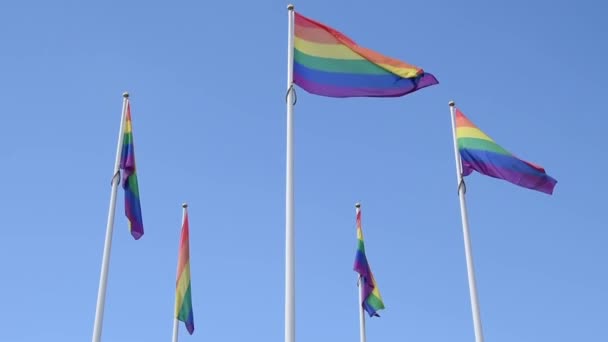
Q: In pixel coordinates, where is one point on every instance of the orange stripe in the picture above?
(315, 34)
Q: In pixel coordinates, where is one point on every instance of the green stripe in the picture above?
(361, 246)
(133, 185)
(186, 308)
(346, 66)
(127, 139)
(482, 145)
(375, 302)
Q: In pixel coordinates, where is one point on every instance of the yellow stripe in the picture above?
(471, 132)
(359, 234)
(336, 51)
(403, 72)
(340, 51)
(128, 126)
(181, 288)
(376, 293)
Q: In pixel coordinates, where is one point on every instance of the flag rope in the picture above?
(295, 95)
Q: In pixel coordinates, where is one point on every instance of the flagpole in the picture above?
(362, 336)
(175, 329)
(105, 263)
(290, 298)
(465, 232)
(175, 320)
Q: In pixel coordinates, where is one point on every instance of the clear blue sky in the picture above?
(207, 85)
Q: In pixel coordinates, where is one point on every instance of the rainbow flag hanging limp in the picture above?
(328, 63)
(372, 300)
(129, 179)
(480, 153)
(183, 295)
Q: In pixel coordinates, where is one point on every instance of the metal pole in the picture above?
(465, 231)
(105, 263)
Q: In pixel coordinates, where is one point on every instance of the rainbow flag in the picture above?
(328, 63)
(480, 153)
(129, 179)
(183, 295)
(372, 300)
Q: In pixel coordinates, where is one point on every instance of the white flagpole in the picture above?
(290, 297)
(465, 231)
(175, 320)
(175, 329)
(362, 336)
(105, 263)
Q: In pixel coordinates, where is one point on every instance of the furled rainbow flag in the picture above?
(328, 63)
(129, 179)
(480, 153)
(372, 300)
(183, 295)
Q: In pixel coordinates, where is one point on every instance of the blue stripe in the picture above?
(189, 322)
(388, 81)
(133, 209)
(361, 260)
(370, 309)
(487, 158)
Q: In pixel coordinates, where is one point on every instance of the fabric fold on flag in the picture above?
(328, 63)
(129, 179)
(478, 152)
(372, 300)
(183, 288)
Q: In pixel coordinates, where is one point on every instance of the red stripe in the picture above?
(366, 53)
(184, 247)
(463, 121)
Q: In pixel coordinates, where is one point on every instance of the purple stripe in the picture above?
(540, 182)
(129, 184)
(415, 84)
(127, 162)
(189, 322)
(367, 291)
(133, 213)
(362, 267)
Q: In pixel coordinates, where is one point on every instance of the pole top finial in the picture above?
(357, 205)
(290, 7)
(125, 95)
(452, 103)
(184, 205)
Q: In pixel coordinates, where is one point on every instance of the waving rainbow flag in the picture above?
(372, 300)
(183, 295)
(328, 63)
(129, 179)
(480, 153)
